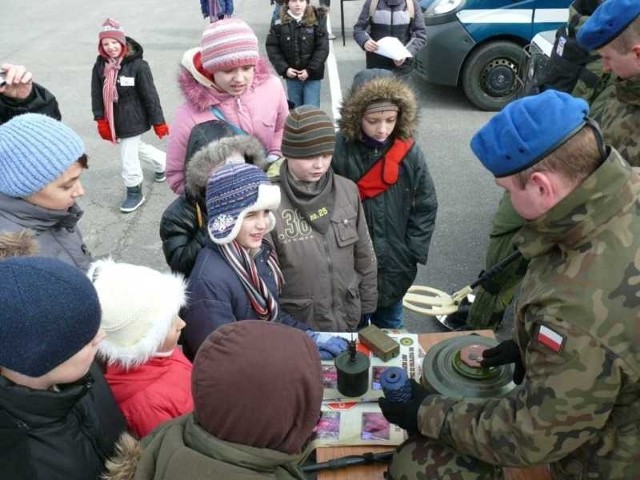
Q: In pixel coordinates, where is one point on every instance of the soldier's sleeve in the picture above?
(567, 395)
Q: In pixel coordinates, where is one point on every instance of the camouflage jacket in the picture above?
(579, 406)
(617, 111)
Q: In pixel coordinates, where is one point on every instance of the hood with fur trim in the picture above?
(384, 88)
(311, 15)
(139, 306)
(123, 464)
(18, 244)
(226, 150)
(200, 91)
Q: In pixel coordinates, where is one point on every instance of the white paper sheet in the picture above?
(392, 48)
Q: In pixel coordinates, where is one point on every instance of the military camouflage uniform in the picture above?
(491, 301)
(494, 297)
(578, 409)
(617, 111)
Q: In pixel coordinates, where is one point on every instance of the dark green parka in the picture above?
(400, 220)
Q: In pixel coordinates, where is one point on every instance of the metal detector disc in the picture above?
(451, 368)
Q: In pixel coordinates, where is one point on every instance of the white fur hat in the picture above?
(138, 308)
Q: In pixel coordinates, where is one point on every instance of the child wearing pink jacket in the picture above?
(226, 79)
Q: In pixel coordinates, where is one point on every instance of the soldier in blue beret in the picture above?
(614, 32)
(576, 327)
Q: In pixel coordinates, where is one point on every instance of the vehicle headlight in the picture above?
(442, 7)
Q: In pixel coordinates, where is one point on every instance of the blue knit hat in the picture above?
(50, 311)
(527, 130)
(608, 21)
(34, 151)
(233, 191)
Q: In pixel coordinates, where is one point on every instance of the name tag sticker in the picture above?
(127, 81)
(550, 338)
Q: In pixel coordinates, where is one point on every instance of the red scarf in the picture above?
(110, 91)
(385, 171)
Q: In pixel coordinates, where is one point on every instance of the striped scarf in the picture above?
(262, 301)
(110, 92)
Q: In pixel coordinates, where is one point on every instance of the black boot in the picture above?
(134, 199)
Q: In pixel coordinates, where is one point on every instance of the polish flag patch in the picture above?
(550, 338)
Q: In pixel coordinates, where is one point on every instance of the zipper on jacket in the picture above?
(86, 430)
(327, 255)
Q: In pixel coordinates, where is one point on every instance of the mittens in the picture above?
(104, 130)
(329, 346)
(405, 414)
(161, 130)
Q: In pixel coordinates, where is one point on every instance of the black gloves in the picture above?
(503, 354)
(405, 414)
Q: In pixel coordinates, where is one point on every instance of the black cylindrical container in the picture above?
(353, 373)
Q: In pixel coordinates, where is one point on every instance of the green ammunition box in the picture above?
(381, 344)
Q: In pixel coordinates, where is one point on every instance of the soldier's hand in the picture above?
(405, 414)
(503, 354)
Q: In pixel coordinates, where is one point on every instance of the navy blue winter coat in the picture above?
(216, 296)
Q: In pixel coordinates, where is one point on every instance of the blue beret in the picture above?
(527, 130)
(607, 22)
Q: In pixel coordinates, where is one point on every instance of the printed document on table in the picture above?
(359, 421)
(392, 48)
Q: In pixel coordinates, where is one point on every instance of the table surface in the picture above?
(369, 472)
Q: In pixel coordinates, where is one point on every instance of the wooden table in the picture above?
(368, 472)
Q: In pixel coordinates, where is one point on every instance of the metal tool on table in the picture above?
(433, 302)
(348, 461)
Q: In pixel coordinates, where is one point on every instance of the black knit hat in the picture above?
(50, 311)
(308, 133)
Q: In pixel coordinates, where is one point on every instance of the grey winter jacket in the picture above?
(56, 231)
(330, 279)
(390, 19)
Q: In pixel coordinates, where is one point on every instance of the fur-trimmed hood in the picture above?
(311, 16)
(381, 88)
(123, 464)
(18, 244)
(139, 306)
(200, 91)
(241, 148)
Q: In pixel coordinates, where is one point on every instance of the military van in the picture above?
(477, 44)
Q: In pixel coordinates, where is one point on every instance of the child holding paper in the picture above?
(401, 19)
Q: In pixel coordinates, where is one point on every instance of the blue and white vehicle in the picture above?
(477, 44)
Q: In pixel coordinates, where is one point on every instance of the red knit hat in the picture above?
(227, 44)
(111, 29)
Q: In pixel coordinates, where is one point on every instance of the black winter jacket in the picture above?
(138, 105)
(299, 45)
(402, 219)
(61, 435)
(40, 100)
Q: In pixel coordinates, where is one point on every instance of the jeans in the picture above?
(303, 93)
(388, 317)
(132, 150)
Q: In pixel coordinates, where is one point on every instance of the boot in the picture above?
(134, 199)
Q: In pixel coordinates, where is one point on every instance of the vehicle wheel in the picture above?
(489, 75)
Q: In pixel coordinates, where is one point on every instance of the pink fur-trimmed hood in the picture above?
(201, 92)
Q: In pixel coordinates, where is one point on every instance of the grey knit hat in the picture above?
(34, 151)
(308, 133)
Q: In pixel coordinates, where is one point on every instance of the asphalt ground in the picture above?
(57, 40)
